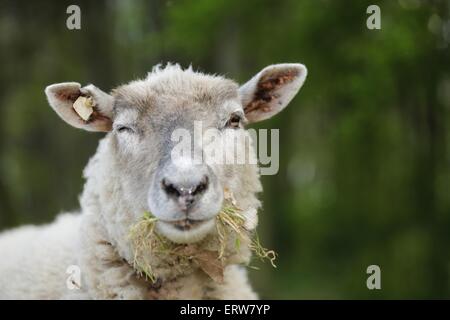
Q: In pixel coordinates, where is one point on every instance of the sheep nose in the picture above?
(185, 194)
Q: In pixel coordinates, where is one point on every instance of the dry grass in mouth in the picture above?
(148, 244)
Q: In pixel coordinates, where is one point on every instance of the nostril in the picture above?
(169, 188)
(202, 186)
(186, 195)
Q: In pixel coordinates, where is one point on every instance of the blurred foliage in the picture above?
(364, 158)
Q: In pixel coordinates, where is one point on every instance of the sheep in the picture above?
(133, 172)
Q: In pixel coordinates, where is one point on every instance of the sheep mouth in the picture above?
(186, 224)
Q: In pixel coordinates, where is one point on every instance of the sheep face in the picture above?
(171, 136)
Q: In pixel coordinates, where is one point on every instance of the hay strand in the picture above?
(230, 222)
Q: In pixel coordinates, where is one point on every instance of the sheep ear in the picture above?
(271, 90)
(87, 108)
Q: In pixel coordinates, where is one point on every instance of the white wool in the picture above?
(35, 259)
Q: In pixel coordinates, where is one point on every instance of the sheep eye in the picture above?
(234, 121)
(124, 129)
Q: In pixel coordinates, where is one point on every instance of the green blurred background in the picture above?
(364, 148)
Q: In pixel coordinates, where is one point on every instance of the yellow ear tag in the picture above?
(84, 107)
